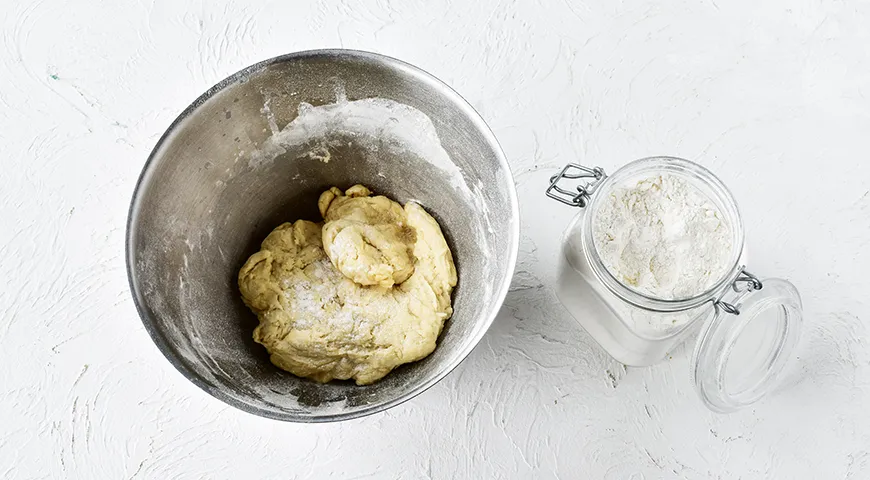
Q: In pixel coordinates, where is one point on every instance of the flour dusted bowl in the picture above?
(218, 182)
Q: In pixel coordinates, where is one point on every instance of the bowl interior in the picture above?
(208, 197)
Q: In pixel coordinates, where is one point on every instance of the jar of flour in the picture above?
(656, 254)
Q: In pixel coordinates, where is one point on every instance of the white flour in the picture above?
(312, 297)
(662, 237)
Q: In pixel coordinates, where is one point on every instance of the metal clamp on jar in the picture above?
(748, 326)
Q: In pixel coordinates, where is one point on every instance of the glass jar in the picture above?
(747, 327)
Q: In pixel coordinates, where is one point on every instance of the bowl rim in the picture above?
(171, 353)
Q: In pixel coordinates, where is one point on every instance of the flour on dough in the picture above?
(317, 322)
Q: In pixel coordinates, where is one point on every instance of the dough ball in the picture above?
(315, 322)
(367, 238)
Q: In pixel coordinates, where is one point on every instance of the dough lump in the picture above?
(317, 322)
(367, 238)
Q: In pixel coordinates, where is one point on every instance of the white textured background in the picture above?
(774, 98)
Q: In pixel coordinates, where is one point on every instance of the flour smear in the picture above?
(370, 121)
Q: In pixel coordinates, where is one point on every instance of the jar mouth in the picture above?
(698, 176)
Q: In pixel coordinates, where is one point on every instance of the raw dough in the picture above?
(318, 323)
(367, 238)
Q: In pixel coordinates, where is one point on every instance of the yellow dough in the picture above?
(367, 238)
(355, 298)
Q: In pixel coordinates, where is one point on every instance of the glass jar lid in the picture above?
(746, 343)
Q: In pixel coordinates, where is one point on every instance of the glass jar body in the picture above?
(633, 328)
(747, 326)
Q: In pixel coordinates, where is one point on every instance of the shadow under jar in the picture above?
(747, 327)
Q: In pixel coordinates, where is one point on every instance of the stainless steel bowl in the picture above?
(201, 208)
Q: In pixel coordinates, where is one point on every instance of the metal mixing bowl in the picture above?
(201, 207)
